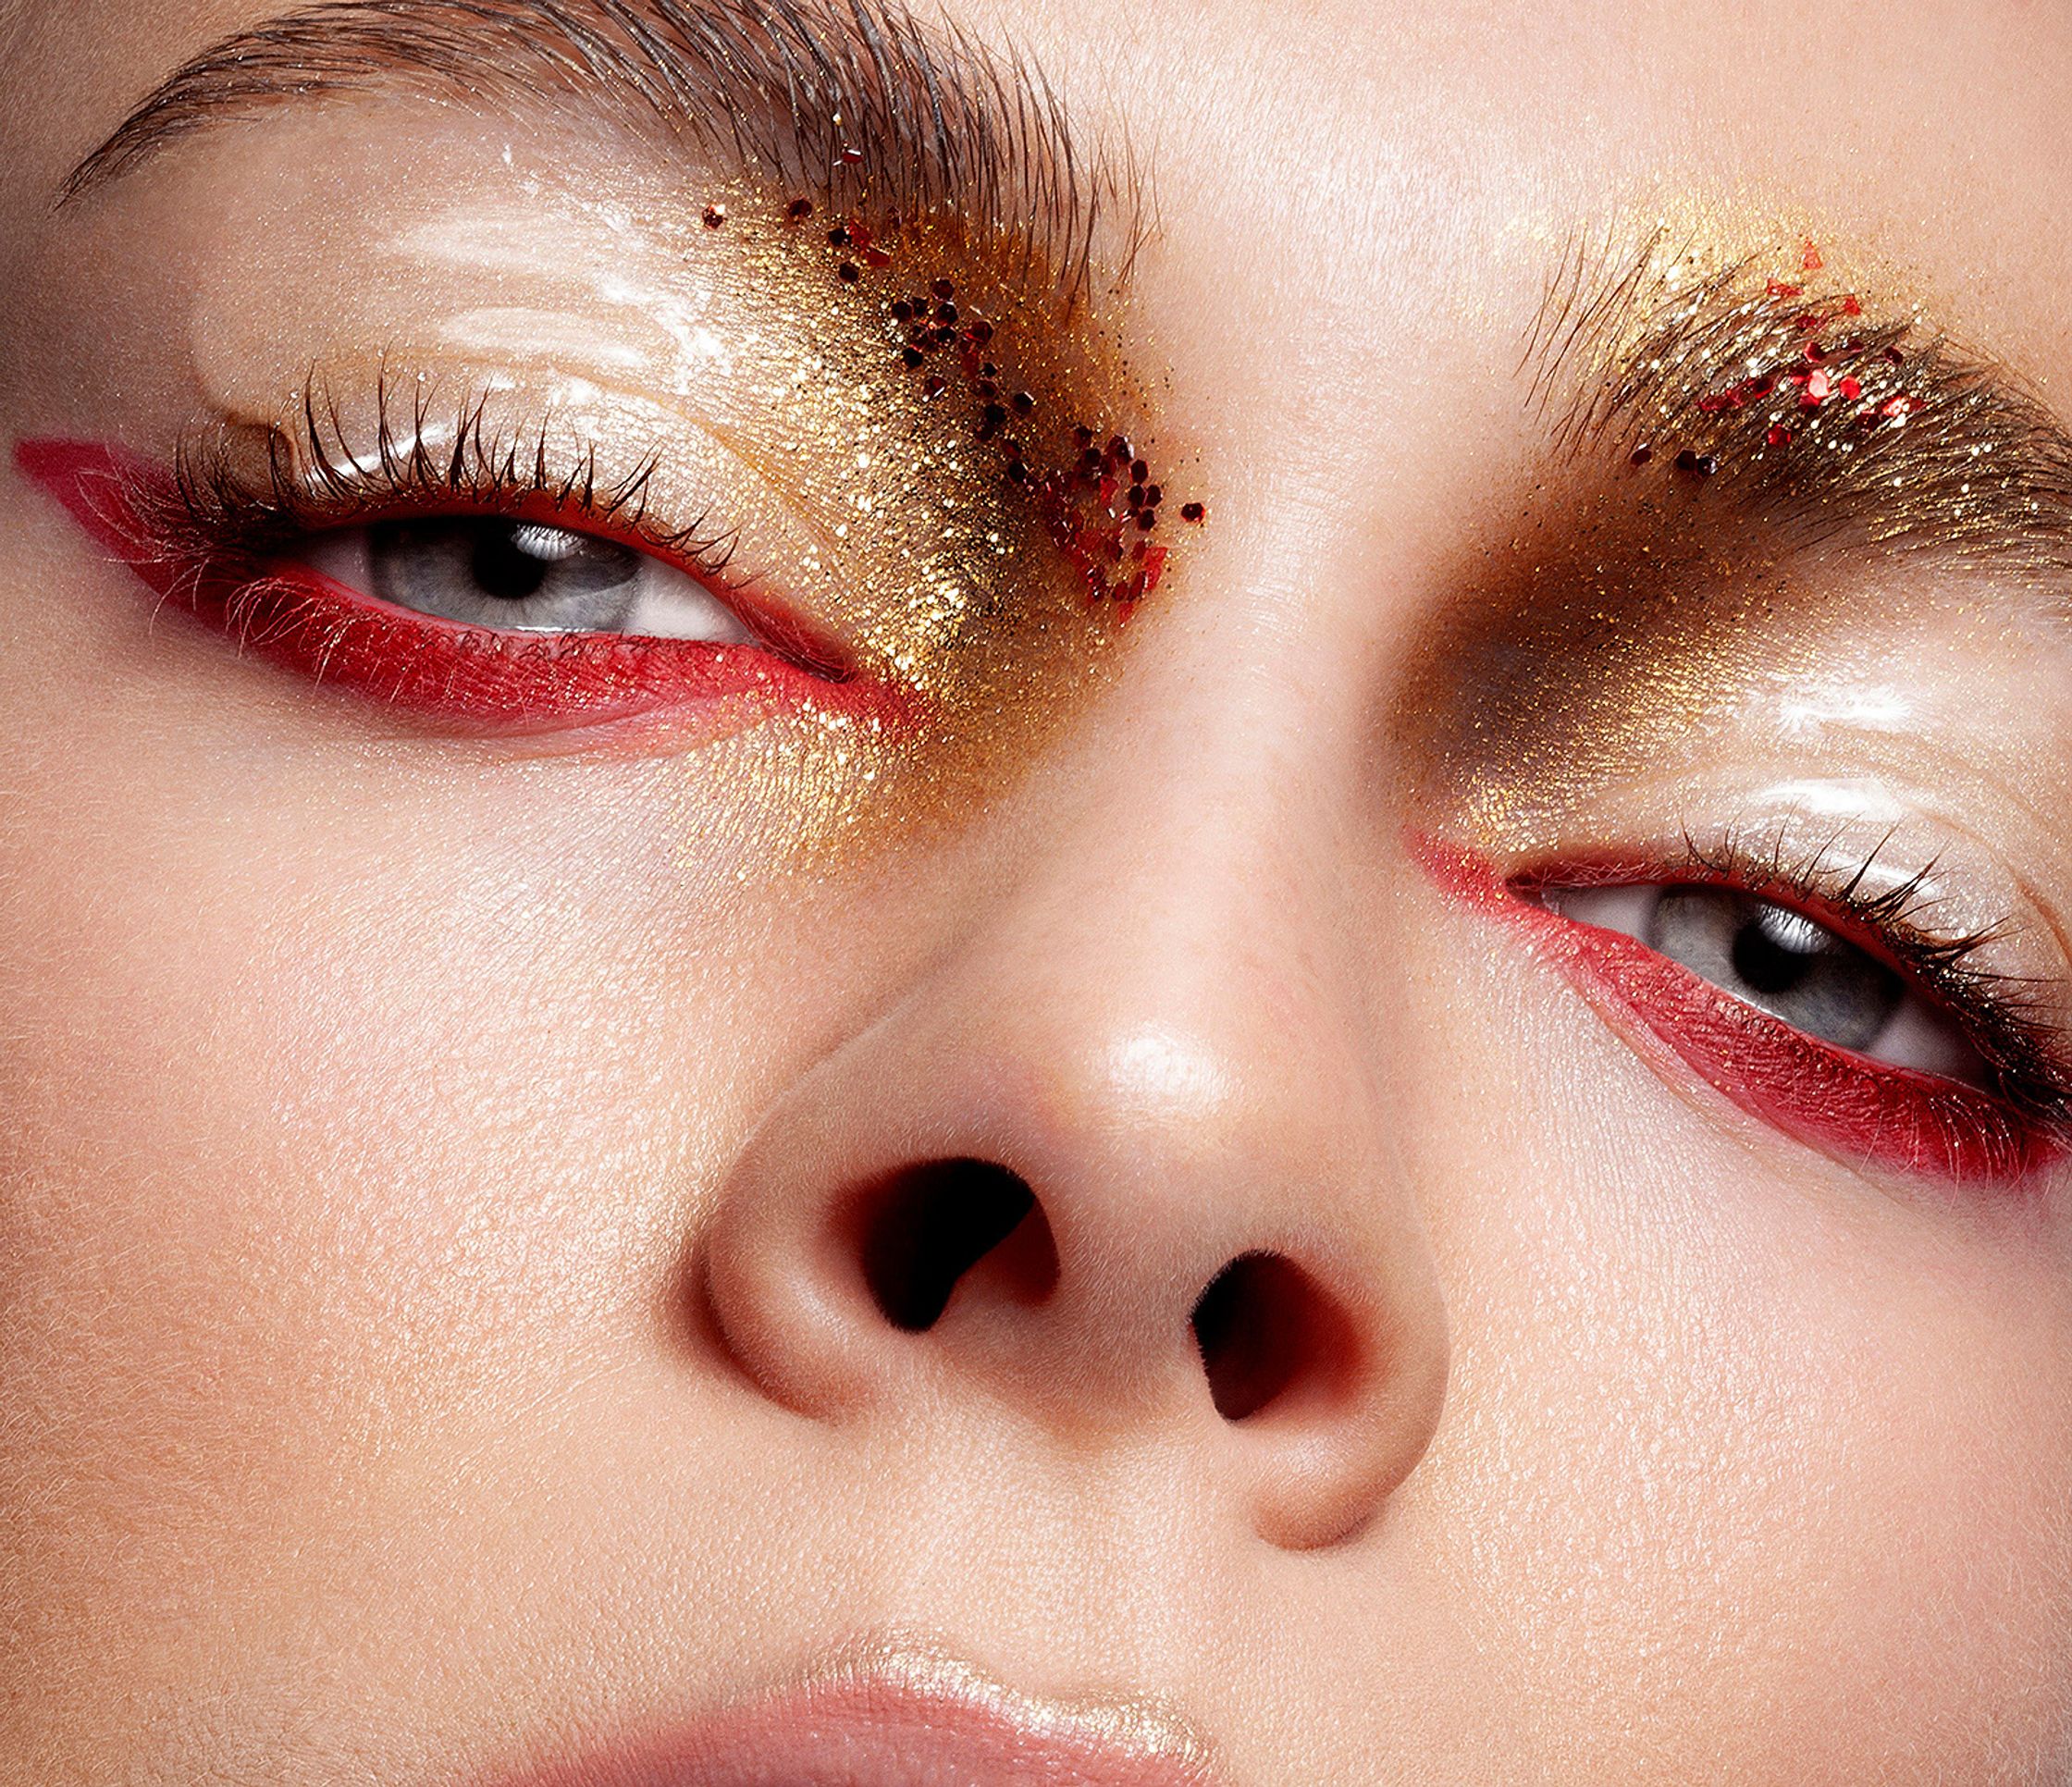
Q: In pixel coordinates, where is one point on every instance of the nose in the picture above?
(1130, 1176)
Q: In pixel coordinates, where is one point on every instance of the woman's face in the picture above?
(702, 1001)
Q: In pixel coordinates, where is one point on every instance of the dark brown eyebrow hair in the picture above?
(1801, 404)
(854, 103)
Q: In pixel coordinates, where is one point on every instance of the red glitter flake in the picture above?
(1851, 388)
(1154, 564)
(933, 385)
(1194, 511)
(1639, 456)
(1810, 258)
(850, 273)
(877, 257)
(1778, 435)
(799, 210)
(945, 289)
(1778, 288)
(1820, 386)
(1894, 357)
(1852, 305)
(715, 215)
(852, 155)
(1899, 408)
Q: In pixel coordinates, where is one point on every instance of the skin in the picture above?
(370, 1104)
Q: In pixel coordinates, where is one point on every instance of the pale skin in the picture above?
(369, 1102)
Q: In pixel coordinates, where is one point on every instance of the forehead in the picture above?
(1365, 199)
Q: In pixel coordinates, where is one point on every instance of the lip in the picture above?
(898, 1717)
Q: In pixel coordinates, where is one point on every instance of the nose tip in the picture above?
(913, 1222)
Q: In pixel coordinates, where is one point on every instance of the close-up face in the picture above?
(1172, 895)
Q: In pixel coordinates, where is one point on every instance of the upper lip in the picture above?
(899, 1716)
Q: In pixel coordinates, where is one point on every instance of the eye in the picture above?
(1782, 962)
(522, 577)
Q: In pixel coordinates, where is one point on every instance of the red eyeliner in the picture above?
(478, 678)
(1832, 1098)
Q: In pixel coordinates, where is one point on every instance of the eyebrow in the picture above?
(1804, 404)
(851, 102)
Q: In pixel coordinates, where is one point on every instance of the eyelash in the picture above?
(1891, 1114)
(215, 536)
(257, 515)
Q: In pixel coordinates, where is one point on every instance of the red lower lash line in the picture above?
(489, 680)
(1828, 1097)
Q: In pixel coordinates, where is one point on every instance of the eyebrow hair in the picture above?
(1801, 405)
(853, 102)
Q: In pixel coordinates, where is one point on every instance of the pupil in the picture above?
(501, 565)
(1776, 950)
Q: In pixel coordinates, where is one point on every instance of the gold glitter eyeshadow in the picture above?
(974, 457)
(1737, 438)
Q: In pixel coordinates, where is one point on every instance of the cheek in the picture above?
(330, 1121)
(1732, 1437)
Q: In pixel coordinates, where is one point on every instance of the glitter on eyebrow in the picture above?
(1801, 390)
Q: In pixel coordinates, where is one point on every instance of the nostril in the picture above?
(1268, 1331)
(924, 1228)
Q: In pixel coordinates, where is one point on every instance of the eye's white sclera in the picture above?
(523, 576)
(1785, 964)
